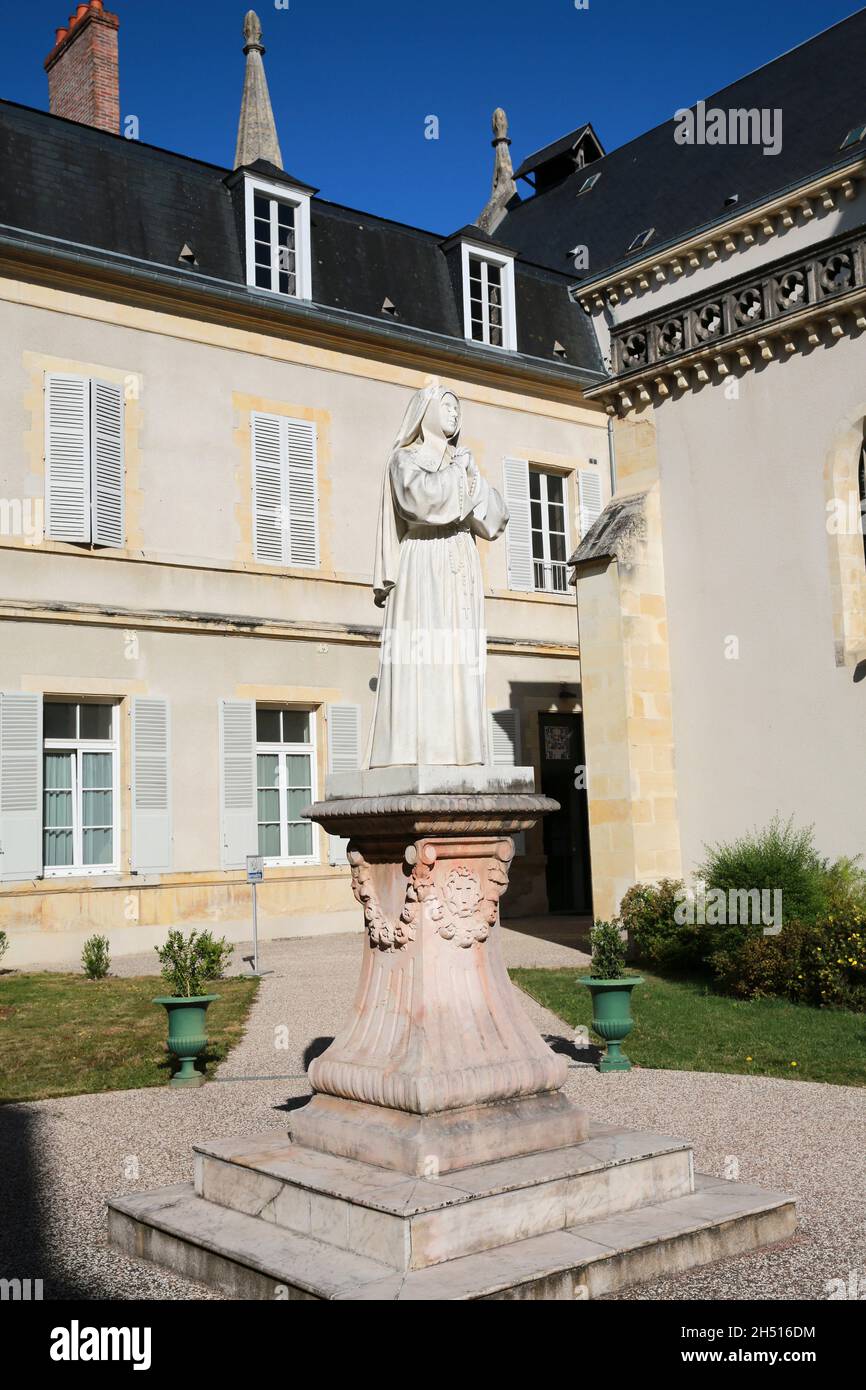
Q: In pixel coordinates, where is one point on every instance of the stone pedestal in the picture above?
(438, 1067)
(438, 1158)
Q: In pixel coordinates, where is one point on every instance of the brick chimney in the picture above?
(83, 83)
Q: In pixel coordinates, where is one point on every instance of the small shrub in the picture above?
(819, 963)
(778, 857)
(96, 957)
(846, 887)
(608, 951)
(190, 963)
(647, 914)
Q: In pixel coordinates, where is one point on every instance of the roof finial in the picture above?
(257, 132)
(504, 187)
(252, 31)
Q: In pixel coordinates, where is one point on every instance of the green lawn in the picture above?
(64, 1035)
(681, 1025)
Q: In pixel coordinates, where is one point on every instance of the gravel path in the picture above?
(63, 1158)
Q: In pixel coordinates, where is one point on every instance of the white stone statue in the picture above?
(431, 707)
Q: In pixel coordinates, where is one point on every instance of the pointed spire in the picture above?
(257, 133)
(504, 187)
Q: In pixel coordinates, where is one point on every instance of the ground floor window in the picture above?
(80, 830)
(549, 531)
(285, 763)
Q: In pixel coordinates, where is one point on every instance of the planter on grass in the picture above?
(188, 964)
(611, 1016)
(187, 1033)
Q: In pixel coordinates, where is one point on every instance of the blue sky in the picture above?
(352, 81)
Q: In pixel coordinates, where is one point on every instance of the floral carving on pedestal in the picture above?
(462, 909)
(384, 933)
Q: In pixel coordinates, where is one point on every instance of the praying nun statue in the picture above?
(430, 701)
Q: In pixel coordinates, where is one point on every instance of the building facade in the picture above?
(202, 371)
(722, 594)
(201, 374)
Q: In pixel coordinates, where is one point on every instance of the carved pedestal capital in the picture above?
(437, 1027)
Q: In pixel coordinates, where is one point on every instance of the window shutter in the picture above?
(518, 535)
(107, 463)
(67, 457)
(20, 787)
(301, 498)
(504, 736)
(151, 786)
(344, 755)
(589, 498)
(285, 500)
(238, 814)
(268, 517)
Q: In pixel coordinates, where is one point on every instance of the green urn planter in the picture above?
(611, 1016)
(187, 1033)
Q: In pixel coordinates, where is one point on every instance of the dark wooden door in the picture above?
(566, 832)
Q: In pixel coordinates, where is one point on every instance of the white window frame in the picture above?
(80, 746)
(294, 198)
(509, 316)
(547, 562)
(281, 749)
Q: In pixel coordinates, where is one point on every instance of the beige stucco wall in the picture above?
(745, 477)
(187, 586)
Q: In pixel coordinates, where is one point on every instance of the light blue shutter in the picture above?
(589, 499)
(151, 786)
(107, 484)
(301, 493)
(285, 491)
(20, 787)
(504, 738)
(67, 457)
(518, 534)
(344, 755)
(238, 813)
(269, 519)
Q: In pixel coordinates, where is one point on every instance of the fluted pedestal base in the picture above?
(438, 1067)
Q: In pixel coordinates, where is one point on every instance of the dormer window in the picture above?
(488, 297)
(278, 238)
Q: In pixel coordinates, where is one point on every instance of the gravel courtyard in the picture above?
(63, 1158)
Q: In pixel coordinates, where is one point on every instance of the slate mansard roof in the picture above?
(100, 192)
(681, 189)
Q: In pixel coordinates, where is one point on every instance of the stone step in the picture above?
(412, 1223)
(250, 1258)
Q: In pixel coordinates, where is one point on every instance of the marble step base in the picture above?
(251, 1259)
(268, 1219)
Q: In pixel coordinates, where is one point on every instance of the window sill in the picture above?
(83, 871)
(299, 863)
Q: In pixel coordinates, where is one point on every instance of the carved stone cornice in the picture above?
(777, 311)
(739, 231)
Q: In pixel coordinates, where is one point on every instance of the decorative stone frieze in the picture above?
(746, 230)
(748, 319)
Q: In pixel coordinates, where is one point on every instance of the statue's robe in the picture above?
(430, 702)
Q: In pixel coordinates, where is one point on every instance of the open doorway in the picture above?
(566, 832)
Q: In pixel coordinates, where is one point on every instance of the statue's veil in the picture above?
(391, 527)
